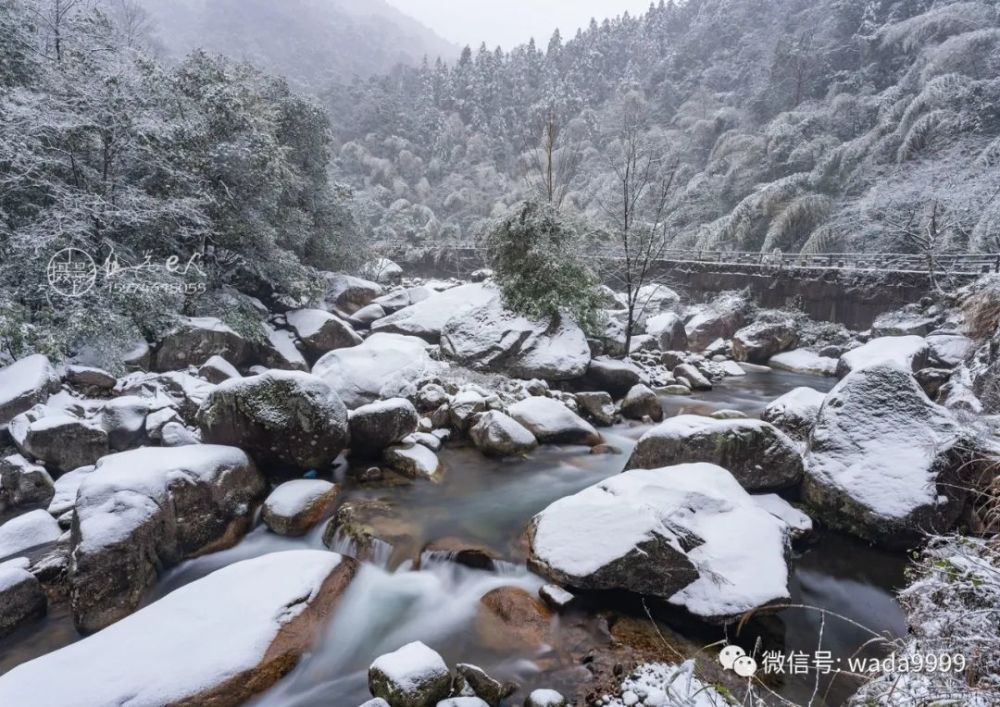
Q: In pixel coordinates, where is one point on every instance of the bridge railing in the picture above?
(959, 263)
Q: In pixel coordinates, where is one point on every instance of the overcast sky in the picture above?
(511, 22)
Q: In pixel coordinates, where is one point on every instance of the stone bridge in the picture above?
(848, 288)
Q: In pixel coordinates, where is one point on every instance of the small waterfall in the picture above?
(378, 552)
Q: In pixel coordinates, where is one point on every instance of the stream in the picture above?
(488, 502)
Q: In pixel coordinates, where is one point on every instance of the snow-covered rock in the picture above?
(544, 697)
(367, 315)
(718, 320)
(27, 531)
(23, 485)
(491, 338)
(321, 331)
(949, 349)
(217, 369)
(382, 270)
(283, 350)
(611, 375)
(668, 329)
(805, 362)
(497, 434)
(216, 641)
(883, 461)
(381, 424)
(90, 377)
(283, 418)
(665, 685)
(688, 373)
(641, 402)
(487, 690)
(688, 533)
(799, 524)
(902, 323)
(795, 412)
(398, 299)
(598, 406)
(551, 422)
(464, 406)
(428, 317)
(909, 352)
(758, 455)
(21, 596)
(414, 461)
(58, 439)
(655, 298)
(348, 293)
(196, 339)
(24, 384)
(149, 508)
(176, 389)
(384, 363)
(296, 506)
(124, 419)
(764, 338)
(66, 486)
(412, 676)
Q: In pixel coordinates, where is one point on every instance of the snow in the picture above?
(661, 322)
(664, 685)
(66, 487)
(416, 458)
(27, 531)
(550, 420)
(13, 572)
(950, 349)
(799, 522)
(741, 561)
(877, 440)
(284, 343)
(462, 702)
(427, 318)
(24, 383)
(804, 361)
(545, 698)
(383, 362)
(194, 639)
(905, 351)
(308, 322)
(411, 666)
(292, 497)
(127, 488)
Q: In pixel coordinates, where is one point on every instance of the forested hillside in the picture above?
(135, 162)
(786, 124)
(310, 42)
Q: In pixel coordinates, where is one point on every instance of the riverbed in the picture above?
(487, 503)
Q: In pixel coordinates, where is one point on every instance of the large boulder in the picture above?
(718, 320)
(147, 509)
(347, 293)
(283, 418)
(902, 323)
(764, 338)
(22, 598)
(499, 435)
(511, 618)
(283, 350)
(24, 384)
(428, 317)
(598, 406)
(217, 369)
(949, 350)
(759, 455)
(551, 422)
(805, 362)
(321, 331)
(909, 352)
(688, 534)
(57, 439)
(381, 424)
(124, 419)
(883, 461)
(382, 270)
(225, 637)
(27, 531)
(23, 485)
(380, 367)
(412, 676)
(668, 329)
(196, 339)
(641, 402)
(492, 338)
(795, 412)
(297, 505)
(612, 376)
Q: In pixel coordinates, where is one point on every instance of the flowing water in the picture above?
(487, 503)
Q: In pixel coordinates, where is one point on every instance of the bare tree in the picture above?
(554, 163)
(53, 15)
(636, 209)
(927, 232)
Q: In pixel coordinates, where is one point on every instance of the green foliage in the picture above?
(536, 258)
